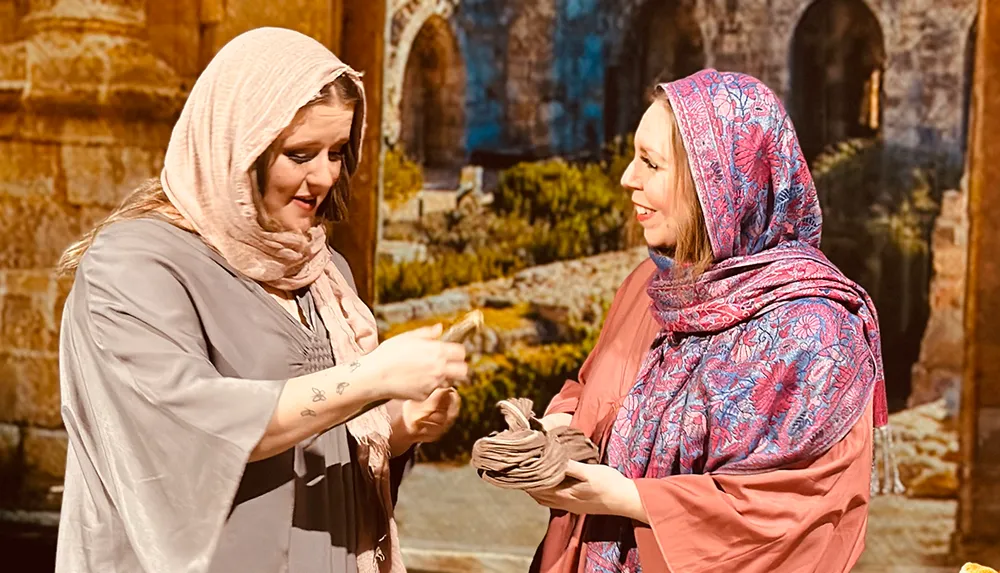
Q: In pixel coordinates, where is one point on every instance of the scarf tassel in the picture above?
(885, 469)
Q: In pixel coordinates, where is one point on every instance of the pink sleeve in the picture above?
(805, 518)
(623, 312)
(566, 400)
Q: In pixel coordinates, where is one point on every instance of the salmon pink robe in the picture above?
(810, 517)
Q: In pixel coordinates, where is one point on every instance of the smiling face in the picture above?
(662, 203)
(306, 163)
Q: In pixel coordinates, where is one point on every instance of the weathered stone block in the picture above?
(146, 133)
(448, 303)
(62, 288)
(91, 216)
(36, 232)
(97, 74)
(311, 18)
(10, 444)
(98, 175)
(13, 74)
(28, 322)
(44, 468)
(11, 468)
(926, 446)
(28, 169)
(174, 30)
(394, 313)
(45, 455)
(29, 389)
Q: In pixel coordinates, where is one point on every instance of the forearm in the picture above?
(626, 502)
(316, 402)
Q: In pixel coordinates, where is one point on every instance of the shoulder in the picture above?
(128, 250)
(136, 239)
(813, 318)
(637, 281)
(631, 300)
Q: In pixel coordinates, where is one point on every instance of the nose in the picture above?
(629, 179)
(323, 175)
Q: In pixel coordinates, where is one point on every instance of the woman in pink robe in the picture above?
(738, 376)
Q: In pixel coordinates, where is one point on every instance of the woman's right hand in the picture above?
(415, 363)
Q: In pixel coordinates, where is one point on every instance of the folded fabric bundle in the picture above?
(526, 456)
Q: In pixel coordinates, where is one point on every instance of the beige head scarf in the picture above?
(243, 100)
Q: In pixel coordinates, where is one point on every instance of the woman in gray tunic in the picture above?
(227, 407)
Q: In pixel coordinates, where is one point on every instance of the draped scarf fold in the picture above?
(771, 356)
(247, 95)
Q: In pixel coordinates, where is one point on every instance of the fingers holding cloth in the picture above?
(428, 362)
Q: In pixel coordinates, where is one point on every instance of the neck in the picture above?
(287, 295)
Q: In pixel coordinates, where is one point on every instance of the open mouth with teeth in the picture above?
(642, 213)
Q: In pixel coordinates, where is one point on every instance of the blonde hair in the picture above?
(694, 246)
(149, 199)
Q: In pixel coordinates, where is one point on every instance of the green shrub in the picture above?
(402, 178)
(416, 279)
(579, 210)
(542, 212)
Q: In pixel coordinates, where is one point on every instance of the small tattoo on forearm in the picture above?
(319, 395)
(308, 412)
(355, 365)
(341, 387)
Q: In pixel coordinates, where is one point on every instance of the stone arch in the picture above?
(660, 43)
(432, 98)
(405, 22)
(838, 59)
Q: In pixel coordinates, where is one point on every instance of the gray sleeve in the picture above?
(172, 435)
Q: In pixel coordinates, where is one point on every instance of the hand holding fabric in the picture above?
(594, 489)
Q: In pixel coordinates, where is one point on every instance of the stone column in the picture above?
(978, 531)
(86, 110)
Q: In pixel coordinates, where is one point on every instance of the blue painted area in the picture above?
(576, 89)
(579, 72)
(480, 22)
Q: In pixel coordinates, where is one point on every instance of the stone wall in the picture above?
(569, 99)
(938, 373)
(89, 92)
(85, 113)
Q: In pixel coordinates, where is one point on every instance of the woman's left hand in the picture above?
(593, 489)
(428, 420)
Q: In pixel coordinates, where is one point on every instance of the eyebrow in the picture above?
(314, 143)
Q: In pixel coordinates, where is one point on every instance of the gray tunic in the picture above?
(171, 365)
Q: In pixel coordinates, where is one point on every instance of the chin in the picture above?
(300, 225)
(657, 240)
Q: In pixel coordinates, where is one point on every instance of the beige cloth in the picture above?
(526, 456)
(243, 100)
